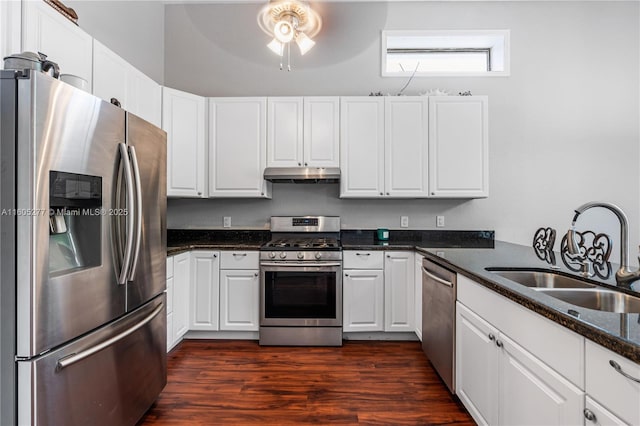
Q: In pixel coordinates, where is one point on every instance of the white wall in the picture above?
(132, 29)
(564, 127)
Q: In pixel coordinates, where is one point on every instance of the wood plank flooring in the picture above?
(218, 382)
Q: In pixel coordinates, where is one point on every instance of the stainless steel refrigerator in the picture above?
(82, 262)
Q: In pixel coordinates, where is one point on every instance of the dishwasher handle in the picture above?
(436, 278)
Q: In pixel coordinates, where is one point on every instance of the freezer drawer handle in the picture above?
(436, 279)
(73, 358)
(138, 213)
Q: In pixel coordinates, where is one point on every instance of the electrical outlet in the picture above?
(227, 222)
(404, 221)
(440, 221)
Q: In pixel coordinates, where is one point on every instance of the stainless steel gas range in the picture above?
(301, 282)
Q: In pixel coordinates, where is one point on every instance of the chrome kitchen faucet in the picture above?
(624, 275)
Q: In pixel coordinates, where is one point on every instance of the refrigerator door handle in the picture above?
(128, 249)
(74, 358)
(138, 213)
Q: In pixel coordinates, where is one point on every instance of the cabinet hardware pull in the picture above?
(346, 275)
(492, 337)
(499, 343)
(617, 367)
(215, 255)
(255, 274)
(363, 254)
(381, 193)
(306, 164)
(299, 164)
(240, 254)
(588, 414)
(387, 193)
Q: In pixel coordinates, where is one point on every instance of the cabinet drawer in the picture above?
(601, 416)
(609, 387)
(362, 259)
(169, 267)
(239, 260)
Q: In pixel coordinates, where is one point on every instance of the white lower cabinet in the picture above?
(239, 300)
(205, 291)
(180, 304)
(616, 389)
(399, 295)
(502, 383)
(378, 291)
(363, 300)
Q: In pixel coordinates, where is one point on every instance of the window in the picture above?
(445, 53)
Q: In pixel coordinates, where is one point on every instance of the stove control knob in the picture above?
(318, 255)
(300, 255)
(272, 255)
(283, 255)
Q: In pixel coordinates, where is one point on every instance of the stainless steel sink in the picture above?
(540, 279)
(602, 300)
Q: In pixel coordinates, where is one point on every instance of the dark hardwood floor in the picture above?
(223, 382)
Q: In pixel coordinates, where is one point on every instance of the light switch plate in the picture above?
(440, 221)
(404, 221)
(227, 222)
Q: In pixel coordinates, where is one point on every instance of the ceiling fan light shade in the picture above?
(304, 43)
(276, 47)
(283, 31)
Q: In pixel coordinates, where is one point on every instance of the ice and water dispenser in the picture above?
(75, 215)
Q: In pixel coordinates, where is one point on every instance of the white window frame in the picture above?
(481, 34)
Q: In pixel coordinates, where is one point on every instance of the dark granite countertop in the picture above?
(604, 328)
(181, 240)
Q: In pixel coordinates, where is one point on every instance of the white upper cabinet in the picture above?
(237, 147)
(303, 132)
(285, 132)
(384, 147)
(109, 75)
(47, 31)
(322, 131)
(10, 27)
(113, 77)
(362, 147)
(144, 97)
(184, 119)
(458, 146)
(406, 123)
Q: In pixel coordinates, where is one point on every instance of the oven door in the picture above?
(301, 294)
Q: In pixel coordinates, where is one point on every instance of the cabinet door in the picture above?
(362, 147)
(110, 73)
(237, 147)
(144, 97)
(406, 146)
(47, 31)
(284, 132)
(458, 146)
(184, 120)
(181, 285)
(417, 288)
(363, 300)
(322, 131)
(10, 27)
(399, 297)
(239, 300)
(476, 366)
(530, 392)
(205, 290)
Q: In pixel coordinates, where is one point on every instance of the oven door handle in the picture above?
(298, 264)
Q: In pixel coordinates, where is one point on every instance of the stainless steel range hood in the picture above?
(302, 174)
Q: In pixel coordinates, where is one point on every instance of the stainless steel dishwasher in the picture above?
(439, 319)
